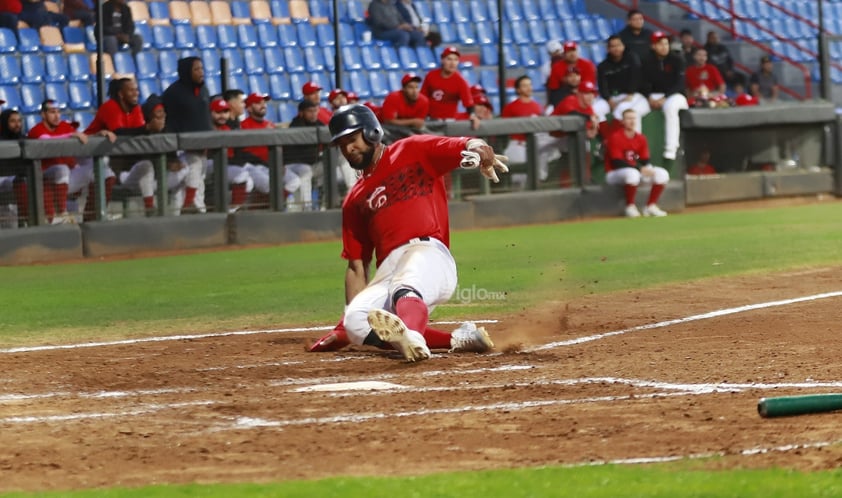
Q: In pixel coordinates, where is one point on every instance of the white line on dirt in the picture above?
(32, 419)
(703, 316)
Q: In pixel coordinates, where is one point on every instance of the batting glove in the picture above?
(472, 158)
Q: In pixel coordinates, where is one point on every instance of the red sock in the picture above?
(21, 199)
(61, 197)
(189, 196)
(631, 190)
(149, 202)
(238, 194)
(437, 339)
(49, 199)
(413, 312)
(655, 193)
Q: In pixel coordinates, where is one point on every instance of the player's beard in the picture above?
(365, 160)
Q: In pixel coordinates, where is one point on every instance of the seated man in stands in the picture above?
(35, 14)
(763, 85)
(525, 106)
(703, 81)
(313, 92)
(404, 111)
(387, 23)
(578, 104)
(627, 164)
(635, 36)
(236, 100)
(9, 14)
(239, 180)
(445, 88)
(719, 56)
(620, 81)
(11, 128)
(663, 85)
(118, 28)
(305, 160)
(560, 69)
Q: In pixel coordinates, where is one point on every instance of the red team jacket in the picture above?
(586, 68)
(250, 124)
(110, 116)
(520, 109)
(445, 94)
(628, 151)
(707, 75)
(63, 130)
(404, 197)
(395, 106)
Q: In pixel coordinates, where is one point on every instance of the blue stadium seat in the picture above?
(528, 56)
(324, 35)
(168, 61)
(90, 39)
(520, 32)
(10, 70)
(146, 64)
(424, 11)
(267, 35)
(347, 35)
(306, 34)
(294, 60)
(330, 63)
(159, 11)
(314, 59)
(271, 111)
(362, 35)
(247, 36)
(58, 92)
(296, 81)
(512, 10)
(470, 77)
(31, 97)
(441, 12)
(149, 86)
(485, 33)
(510, 58)
(448, 33)
(184, 36)
(29, 41)
(210, 60)
(240, 10)
(488, 55)
(357, 81)
(566, 10)
(426, 58)
(571, 29)
(33, 69)
(478, 10)
(279, 8)
(547, 10)
(537, 80)
(538, 32)
(555, 31)
(124, 63)
(287, 35)
(253, 61)
(467, 33)
(56, 66)
(11, 94)
(257, 84)
(226, 36)
(163, 37)
(79, 67)
(598, 52)
(84, 118)
(409, 59)
(603, 28)
(73, 35)
(322, 79)
(145, 32)
(320, 8)
(214, 84)
(287, 111)
(279, 86)
(235, 61)
(237, 81)
(377, 83)
(8, 41)
(274, 60)
(530, 11)
(394, 78)
(588, 30)
(488, 80)
(206, 36)
(31, 120)
(351, 59)
(390, 58)
(354, 11)
(460, 12)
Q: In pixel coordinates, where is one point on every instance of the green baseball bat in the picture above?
(784, 406)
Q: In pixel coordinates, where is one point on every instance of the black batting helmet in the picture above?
(352, 118)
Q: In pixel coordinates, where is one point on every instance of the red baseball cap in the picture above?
(658, 36)
(310, 87)
(571, 45)
(335, 93)
(410, 77)
(478, 89)
(220, 105)
(254, 98)
(587, 87)
(482, 100)
(450, 50)
(745, 99)
(352, 96)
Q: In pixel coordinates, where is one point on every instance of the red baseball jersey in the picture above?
(629, 151)
(63, 130)
(707, 75)
(571, 105)
(586, 68)
(110, 116)
(259, 151)
(324, 115)
(225, 127)
(395, 106)
(701, 169)
(520, 109)
(446, 93)
(402, 198)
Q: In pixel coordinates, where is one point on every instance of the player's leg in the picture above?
(659, 179)
(629, 178)
(672, 105)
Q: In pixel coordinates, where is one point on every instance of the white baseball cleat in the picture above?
(653, 210)
(632, 211)
(467, 338)
(390, 328)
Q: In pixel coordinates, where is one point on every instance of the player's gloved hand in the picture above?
(480, 154)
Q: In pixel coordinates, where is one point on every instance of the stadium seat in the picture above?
(588, 30)
(598, 52)
(240, 12)
(351, 58)
(566, 10)
(320, 9)
(145, 32)
(357, 81)
(79, 67)
(324, 35)
(279, 86)
(466, 32)
(459, 12)
(226, 36)
(287, 35)
(163, 37)
(267, 35)
(299, 11)
(140, 11)
(314, 59)
(362, 36)
(48, 38)
(210, 60)
(448, 33)
(512, 10)
(488, 80)
(184, 36)
(29, 41)
(159, 13)
(546, 10)
(59, 93)
(537, 80)
(287, 111)
(253, 61)
(84, 118)
(274, 60)
(555, 31)
(33, 69)
(214, 84)
(257, 84)
(378, 86)
(280, 11)
(488, 55)
(56, 68)
(124, 64)
(260, 11)
(11, 94)
(81, 96)
(306, 34)
(234, 58)
(538, 32)
(31, 120)
(485, 34)
(147, 87)
(11, 72)
(146, 64)
(221, 13)
(237, 81)
(347, 34)
(510, 58)
(389, 57)
(520, 33)
(31, 97)
(394, 79)
(352, 11)
(426, 58)
(530, 10)
(294, 60)
(271, 110)
(206, 35)
(179, 12)
(571, 29)
(409, 59)
(168, 63)
(441, 12)
(371, 59)
(247, 36)
(8, 41)
(528, 56)
(478, 11)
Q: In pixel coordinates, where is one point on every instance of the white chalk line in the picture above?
(189, 337)
(692, 318)
(72, 417)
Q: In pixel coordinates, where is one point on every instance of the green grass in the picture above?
(302, 284)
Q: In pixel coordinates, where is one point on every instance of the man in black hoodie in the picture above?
(618, 80)
(663, 85)
(187, 104)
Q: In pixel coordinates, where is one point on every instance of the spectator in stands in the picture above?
(187, 104)
(702, 166)
(627, 163)
(763, 85)
(719, 56)
(410, 15)
(80, 10)
(235, 98)
(559, 70)
(239, 179)
(525, 106)
(337, 98)
(581, 104)
(703, 81)
(256, 159)
(35, 14)
(313, 92)
(445, 88)
(56, 170)
(635, 36)
(571, 83)
(11, 128)
(663, 84)
(387, 23)
(9, 14)
(556, 52)
(619, 78)
(306, 160)
(743, 98)
(404, 111)
(352, 97)
(688, 47)
(118, 29)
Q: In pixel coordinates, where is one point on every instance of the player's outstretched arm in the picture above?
(479, 154)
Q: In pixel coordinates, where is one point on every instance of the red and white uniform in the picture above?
(62, 130)
(395, 106)
(397, 212)
(252, 124)
(110, 116)
(707, 75)
(298, 178)
(622, 157)
(586, 68)
(324, 115)
(547, 146)
(446, 93)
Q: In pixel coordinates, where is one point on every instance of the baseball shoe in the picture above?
(332, 341)
(390, 328)
(467, 338)
(632, 211)
(653, 210)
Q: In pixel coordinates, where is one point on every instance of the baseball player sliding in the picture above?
(397, 213)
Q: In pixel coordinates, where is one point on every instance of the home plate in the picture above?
(366, 385)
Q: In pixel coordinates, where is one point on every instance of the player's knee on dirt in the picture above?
(356, 324)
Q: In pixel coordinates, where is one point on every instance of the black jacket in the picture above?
(638, 44)
(616, 77)
(127, 22)
(304, 154)
(187, 104)
(662, 75)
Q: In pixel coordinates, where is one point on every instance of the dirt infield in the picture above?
(635, 375)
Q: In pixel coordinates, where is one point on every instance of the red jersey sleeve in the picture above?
(356, 243)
